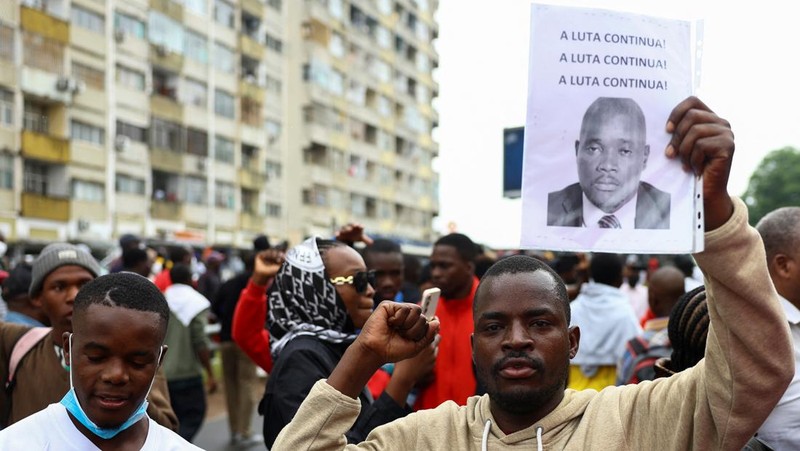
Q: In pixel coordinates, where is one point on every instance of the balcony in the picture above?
(166, 108)
(44, 24)
(166, 160)
(45, 207)
(168, 7)
(166, 59)
(44, 147)
(251, 179)
(253, 7)
(247, 89)
(251, 48)
(171, 211)
(251, 221)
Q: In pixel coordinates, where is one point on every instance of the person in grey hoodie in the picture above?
(523, 344)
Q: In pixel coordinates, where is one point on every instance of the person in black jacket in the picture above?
(238, 371)
(320, 298)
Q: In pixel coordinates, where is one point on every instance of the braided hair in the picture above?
(688, 329)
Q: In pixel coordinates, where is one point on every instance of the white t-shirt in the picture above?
(52, 429)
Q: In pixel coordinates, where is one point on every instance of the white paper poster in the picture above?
(600, 89)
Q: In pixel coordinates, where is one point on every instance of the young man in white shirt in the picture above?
(119, 323)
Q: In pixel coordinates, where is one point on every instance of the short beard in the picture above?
(521, 401)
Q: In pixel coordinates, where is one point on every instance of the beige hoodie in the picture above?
(718, 404)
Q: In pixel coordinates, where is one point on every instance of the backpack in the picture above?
(21, 348)
(644, 358)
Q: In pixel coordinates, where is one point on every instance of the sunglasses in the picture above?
(359, 280)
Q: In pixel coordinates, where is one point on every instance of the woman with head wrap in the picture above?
(319, 299)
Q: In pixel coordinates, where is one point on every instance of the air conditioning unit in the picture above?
(76, 86)
(121, 143)
(201, 164)
(83, 225)
(161, 50)
(119, 36)
(63, 83)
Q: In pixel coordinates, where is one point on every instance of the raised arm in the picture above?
(394, 332)
(721, 402)
(250, 315)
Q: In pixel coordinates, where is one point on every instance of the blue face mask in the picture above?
(73, 406)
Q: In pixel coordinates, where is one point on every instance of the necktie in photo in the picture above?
(609, 222)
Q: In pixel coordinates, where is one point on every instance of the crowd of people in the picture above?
(556, 351)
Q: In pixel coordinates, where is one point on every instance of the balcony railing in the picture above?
(44, 147)
(45, 207)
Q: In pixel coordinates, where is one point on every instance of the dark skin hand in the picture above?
(392, 333)
(704, 144)
(353, 233)
(268, 263)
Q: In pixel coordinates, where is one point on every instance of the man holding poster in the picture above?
(611, 153)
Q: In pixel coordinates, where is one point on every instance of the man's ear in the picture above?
(577, 146)
(36, 300)
(65, 345)
(782, 265)
(574, 341)
(646, 155)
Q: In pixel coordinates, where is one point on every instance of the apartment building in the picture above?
(210, 121)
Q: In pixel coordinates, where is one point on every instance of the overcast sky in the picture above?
(750, 77)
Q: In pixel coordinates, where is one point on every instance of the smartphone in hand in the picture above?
(430, 299)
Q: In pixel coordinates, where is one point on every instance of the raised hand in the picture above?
(268, 263)
(352, 233)
(704, 143)
(393, 332)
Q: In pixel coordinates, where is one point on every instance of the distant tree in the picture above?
(775, 183)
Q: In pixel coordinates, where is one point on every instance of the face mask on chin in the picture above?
(73, 406)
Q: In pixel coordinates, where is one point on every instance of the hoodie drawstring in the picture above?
(488, 426)
(539, 430)
(485, 439)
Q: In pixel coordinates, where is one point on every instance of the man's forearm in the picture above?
(354, 370)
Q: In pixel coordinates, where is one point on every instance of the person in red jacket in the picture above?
(453, 271)
(248, 319)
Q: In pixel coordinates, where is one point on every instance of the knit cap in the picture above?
(56, 255)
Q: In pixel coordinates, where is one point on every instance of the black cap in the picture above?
(261, 243)
(18, 281)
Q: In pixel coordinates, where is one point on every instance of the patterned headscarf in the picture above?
(302, 301)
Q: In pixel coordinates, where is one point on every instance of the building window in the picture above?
(196, 191)
(224, 195)
(88, 133)
(251, 111)
(6, 42)
(273, 210)
(272, 84)
(273, 43)
(6, 171)
(6, 107)
(164, 31)
(196, 6)
(88, 19)
(35, 118)
(273, 129)
(134, 133)
(167, 135)
(249, 199)
(42, 53)
(275, 4)
(130, 78)
(224, 104)
(165, 83)
(89, 191)
(196, 47)
(197, 142)
(273, 170)
(129, 25)
(195, 93)
(129, 185)
(92, 77)
(223, 149)
(224, 58)
(35, 178)
(224, 13)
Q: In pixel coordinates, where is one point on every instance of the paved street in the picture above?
(214, 435)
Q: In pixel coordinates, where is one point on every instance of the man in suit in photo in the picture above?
(611, 154)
